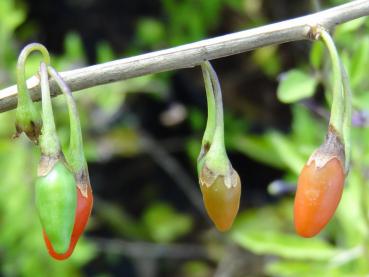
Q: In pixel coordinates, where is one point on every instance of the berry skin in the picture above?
(56, 203)
(221, 202)
(319, 191)
(83, 211)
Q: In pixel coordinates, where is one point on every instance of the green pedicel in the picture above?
(27, 119)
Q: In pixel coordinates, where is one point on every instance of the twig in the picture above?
(230, 263)
(151, 250)
(193, 54)
(346, 256)
(174, 170)
(238, 262)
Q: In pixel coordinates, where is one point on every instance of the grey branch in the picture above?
(174, 170)
(151, 250)
(192, 54)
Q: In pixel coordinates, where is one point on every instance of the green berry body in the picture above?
(56, 202)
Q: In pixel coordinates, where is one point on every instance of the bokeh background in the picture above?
(142, 137)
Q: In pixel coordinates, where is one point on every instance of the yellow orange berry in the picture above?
(319, 191)
(222, 202)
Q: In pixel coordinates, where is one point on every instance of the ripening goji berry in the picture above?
(222, 202)
(56, 197)
(219, 183)
(83, 211)
(319, 191)
(78, 165)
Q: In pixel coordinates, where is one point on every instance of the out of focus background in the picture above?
(142, 137)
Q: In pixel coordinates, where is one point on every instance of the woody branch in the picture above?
(192, 54)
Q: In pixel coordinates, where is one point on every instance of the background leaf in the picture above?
(295, 85)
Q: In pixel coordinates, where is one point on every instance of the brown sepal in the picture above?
(32, 133)
(208, 177)
(83, 181)
(47, 163)
(330, 149)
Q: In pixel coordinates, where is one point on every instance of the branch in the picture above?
(192, 54)
(175, 171)
(151, 250)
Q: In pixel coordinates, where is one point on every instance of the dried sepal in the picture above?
(330, 149)
(83, 181)
(32, 128)
(47, 163)
(208, 177)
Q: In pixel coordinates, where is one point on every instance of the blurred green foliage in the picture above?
(164, 224)
(341, 250)
(295, 86)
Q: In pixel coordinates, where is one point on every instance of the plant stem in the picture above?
(76, 157)
(337, 110)
(219, 128)
(217, 159)
(23, 97)
(347, 119)
(195, 53)
(211, 119)
(49, 140)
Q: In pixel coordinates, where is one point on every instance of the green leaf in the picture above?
(275, 218)
(104, 52)
(73, 47)
(263, 242)
(349, 213)
(11, 16)
(267, 59)
(197, 119)
(118, 220)
(360, 61)
(150, 31)
(258, 148)
(165, 224)
(193, 147)
(307, 131)
(295, 85)
(360, 100)
(350, 26)
(287, 152)
(196, 269)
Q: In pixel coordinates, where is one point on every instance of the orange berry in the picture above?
(221, 202)
(319, 191)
